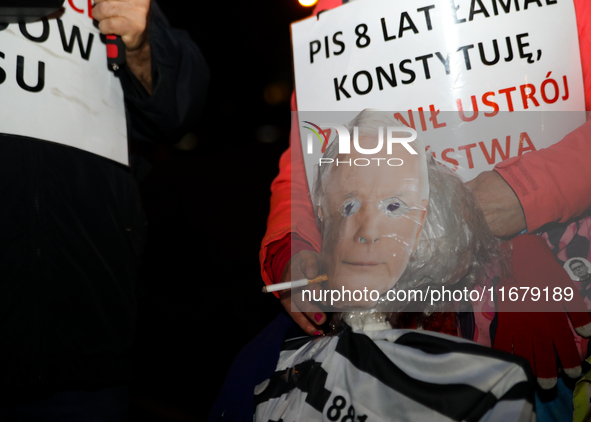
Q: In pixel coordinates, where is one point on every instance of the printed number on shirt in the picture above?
(339, 411)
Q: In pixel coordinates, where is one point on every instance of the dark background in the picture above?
(207, 200)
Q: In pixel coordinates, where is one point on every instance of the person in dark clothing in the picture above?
(71, 222)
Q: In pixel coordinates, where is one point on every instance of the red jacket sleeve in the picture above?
(291, 208)
(554, 184)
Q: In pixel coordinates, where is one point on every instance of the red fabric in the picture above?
(291, 208)
(279, 256)
(553, 184)
(534, 329)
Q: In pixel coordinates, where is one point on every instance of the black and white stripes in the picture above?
(401, 375)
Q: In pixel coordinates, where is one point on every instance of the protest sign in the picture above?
(56, 70)
(479, 80)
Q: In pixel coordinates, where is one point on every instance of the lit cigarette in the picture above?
(293, 284)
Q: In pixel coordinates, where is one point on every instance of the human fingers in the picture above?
(304, 264)
(499, 204)
(305, 324)
(471, 184)
(310, 265)
(126, 18)
(318, 317)
(304, 320)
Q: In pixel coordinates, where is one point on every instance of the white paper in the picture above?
(433, 44)
(80, 102)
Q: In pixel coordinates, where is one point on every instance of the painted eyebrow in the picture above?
(395, 195)
(398, 195)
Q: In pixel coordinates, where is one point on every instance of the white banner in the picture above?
(55, 84)
(479, 80)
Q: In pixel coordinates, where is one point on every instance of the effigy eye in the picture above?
(350, 207)
(393, 207)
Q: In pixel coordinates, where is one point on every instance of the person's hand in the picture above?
(130, 20)
(304, 264)
(126, 18)
(500, 205)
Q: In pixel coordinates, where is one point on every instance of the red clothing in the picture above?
(553, 184)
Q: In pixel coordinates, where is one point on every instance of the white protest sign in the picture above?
(55, 84)
(479, 80)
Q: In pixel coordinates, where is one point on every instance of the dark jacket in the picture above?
(72, 228)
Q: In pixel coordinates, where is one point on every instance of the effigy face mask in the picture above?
(371, 217)
(400, 232)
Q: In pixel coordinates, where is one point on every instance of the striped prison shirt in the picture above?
(395, 375)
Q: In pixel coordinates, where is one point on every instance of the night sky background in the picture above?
(207, 201)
